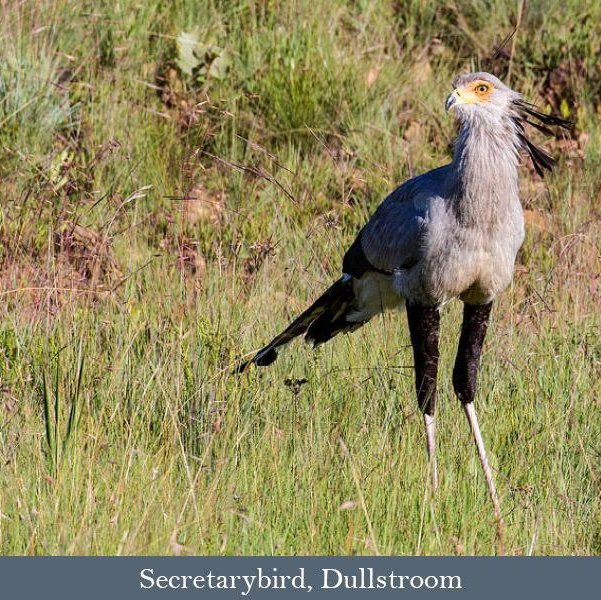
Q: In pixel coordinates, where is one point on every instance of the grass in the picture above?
(160, 218)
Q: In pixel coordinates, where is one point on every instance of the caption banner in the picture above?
(283, 577)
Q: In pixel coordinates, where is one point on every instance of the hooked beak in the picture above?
(452, 99)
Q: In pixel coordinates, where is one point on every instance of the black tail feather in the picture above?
(321, 321)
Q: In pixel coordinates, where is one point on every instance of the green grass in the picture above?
(123, 307)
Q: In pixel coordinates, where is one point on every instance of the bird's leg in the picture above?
(465, 374)
(430, 423)
(424, 324)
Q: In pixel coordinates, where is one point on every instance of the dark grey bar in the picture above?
(310, 577)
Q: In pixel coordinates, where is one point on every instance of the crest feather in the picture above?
(528, 114)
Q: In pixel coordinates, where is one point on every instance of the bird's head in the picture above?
(482, 98)
(480, 94)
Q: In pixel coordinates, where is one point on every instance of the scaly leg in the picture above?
(470, 412)
(465, 375)
(430, 423)
(424, 324)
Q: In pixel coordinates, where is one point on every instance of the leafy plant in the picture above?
(201, 61)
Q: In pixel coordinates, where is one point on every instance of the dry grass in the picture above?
(158, 221)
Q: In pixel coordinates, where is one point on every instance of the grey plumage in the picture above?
(452, 232)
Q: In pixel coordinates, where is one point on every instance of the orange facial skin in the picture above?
(475, 91)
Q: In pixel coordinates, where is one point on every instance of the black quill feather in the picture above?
(526, 112)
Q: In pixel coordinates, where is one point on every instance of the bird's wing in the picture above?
(393, 237)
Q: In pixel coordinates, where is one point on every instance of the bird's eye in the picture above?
(482, 88)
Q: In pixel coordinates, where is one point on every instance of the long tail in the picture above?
(320, 322)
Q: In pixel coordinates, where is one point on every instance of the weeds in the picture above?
(58, 434)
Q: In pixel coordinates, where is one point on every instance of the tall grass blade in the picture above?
(71, 424)
(48, 419)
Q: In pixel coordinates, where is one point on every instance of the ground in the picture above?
(178, 180)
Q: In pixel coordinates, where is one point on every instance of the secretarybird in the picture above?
(452, 232)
